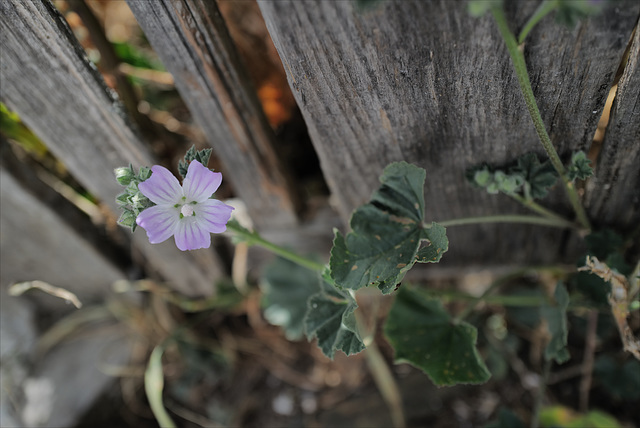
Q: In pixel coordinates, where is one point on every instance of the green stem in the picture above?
(517, 58)
(380, 371)
(543, 10)
(498, 299)
(483, 297)
(253, 238)
(529, 219)
(534, 206)
(510, 300)
(386, 384)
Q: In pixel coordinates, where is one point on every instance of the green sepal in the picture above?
(286, 289)
(132, 188)
(386, 233)
(144, 173)
(128, 219)
(556, 322)
(330, 318)
(580, 167)
(424, 335)
(192, 154)
(123, 199)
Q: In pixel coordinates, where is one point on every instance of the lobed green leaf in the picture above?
(580, 167)
(386, 233)
(538, 176)
(424, 335)
(330, 318)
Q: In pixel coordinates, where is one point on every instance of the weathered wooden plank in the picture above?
(613, 195)
(427, 83)
(38, 245)
(192, 40)
(48, 81)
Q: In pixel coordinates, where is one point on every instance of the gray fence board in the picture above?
(38, 243)
(613, 196)
(191, 38)
(48, 81)
(427, 83)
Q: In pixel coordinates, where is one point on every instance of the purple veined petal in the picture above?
(191, 236)
(162, 187)
(213, 215)
(200, 182)
(159, 221)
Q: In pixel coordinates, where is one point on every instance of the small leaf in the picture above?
(508, 184)
(482, 177)
(580, 167)
(287, 287)
(556, 321)
(424, 335)
(438, 244)
(538, 177)
(386, 233)
(330, 318)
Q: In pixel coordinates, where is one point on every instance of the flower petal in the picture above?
(191, 236)
(159, 221)
(200, 182)
(162, 187)
(213, 215)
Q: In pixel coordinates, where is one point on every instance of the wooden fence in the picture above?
(420, 81)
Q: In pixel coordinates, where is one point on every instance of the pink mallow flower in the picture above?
(185, 212)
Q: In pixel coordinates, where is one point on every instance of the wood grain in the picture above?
(613, 195)
(191, 38)
(48, 80)
(426, 83)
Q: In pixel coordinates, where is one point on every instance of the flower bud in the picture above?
(124, 175)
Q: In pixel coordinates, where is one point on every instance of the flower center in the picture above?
(187, 210)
